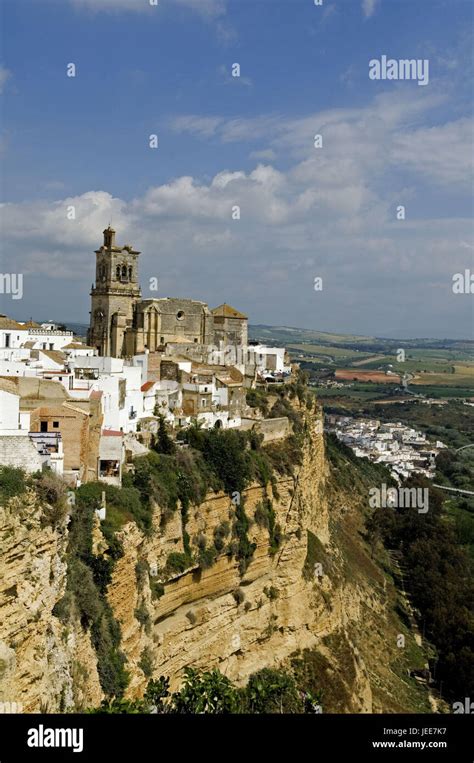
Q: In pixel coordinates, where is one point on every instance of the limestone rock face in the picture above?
(38, 657)
(318, 590)
(217, 618)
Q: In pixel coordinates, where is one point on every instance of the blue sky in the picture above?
(305, 212)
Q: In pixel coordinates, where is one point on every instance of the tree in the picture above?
(163, 442)
(208, 692)
(273, 691)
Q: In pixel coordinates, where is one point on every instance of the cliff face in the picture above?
(319, 590)
(215, 617)
(42, 664)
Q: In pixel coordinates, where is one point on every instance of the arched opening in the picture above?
(117, 272)
(218, 424)
(124, 271)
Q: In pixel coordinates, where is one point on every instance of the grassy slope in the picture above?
(383, 616)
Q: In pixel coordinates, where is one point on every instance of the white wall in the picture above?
(58, 339)
(9, 411)
(12, 368)
(17, 337)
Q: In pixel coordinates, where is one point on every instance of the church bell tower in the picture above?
(113, 296)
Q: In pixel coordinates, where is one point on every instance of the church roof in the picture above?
(227, 311)
(9, 323)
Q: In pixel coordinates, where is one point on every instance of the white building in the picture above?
(19, 447)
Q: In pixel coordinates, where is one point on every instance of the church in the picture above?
(122, 324)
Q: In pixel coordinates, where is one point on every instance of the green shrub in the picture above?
(272, 691)
(258, 398)
(265, 517)
(143, 617)
(220, 534)
(239, 596)
(206, 557)
(141, 572)
(177, 562)
(157, 588)
(12, 482)
(208, 692)
(163, 442)
(271, 592)
(245, 549)
(146, 662)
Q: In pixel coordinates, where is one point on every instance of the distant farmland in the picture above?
(377, 377)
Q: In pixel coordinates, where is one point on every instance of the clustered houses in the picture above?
(84, 409)
(404, 449)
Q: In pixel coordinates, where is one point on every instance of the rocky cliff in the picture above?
(319, 590)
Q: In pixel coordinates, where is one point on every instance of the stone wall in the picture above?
(19, 451)
(272, 429)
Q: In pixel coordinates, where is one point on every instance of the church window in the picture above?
(130, 274)
(180, 315)
(117, 272)
(124, 271)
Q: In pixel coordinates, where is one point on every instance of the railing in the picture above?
(49, 332)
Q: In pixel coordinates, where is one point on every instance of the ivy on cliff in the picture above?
(88, 578)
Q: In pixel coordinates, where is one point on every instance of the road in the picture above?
(454, 489)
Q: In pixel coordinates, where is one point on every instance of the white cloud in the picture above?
(389, 132)
(209, 9)
(330, 212)
(368, 7)
(5, 75)
(444, 153)
(197, 125)
(112, 6)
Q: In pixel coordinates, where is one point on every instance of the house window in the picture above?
(43, 426)
(203, 402)
(55, 424)
(51, 346)
(195, 340)
(162, 339)
(7, 340)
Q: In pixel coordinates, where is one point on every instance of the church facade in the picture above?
(123, 324)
